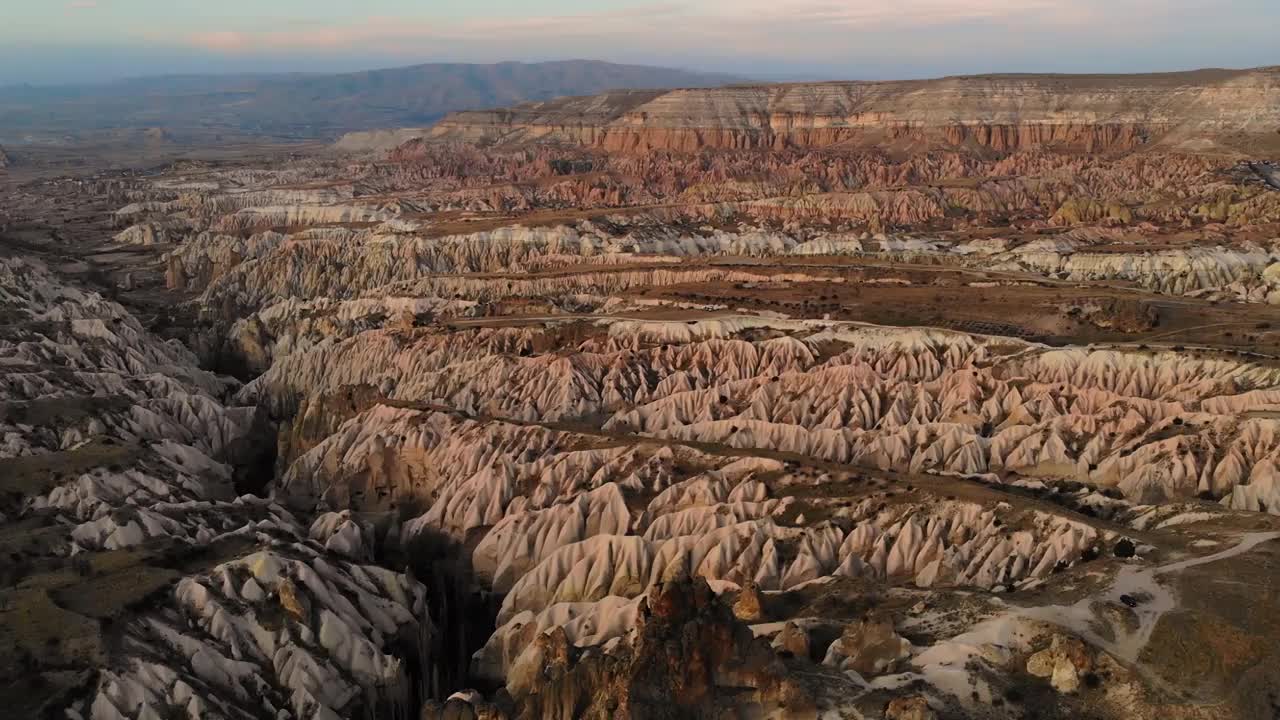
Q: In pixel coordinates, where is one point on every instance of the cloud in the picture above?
(743, 19)
(222, 40)
(82, 5)
(832, 32)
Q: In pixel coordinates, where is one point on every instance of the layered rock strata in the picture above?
(1002, 112)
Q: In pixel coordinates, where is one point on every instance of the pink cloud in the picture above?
(817, 30)
(222, 40)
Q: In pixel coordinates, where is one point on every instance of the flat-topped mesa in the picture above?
(1207, 110)
(376, 140)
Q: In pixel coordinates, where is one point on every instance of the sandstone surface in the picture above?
(1094, 113)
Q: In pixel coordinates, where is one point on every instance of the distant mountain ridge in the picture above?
(309, 106)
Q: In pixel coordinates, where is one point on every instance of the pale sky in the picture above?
(52, 41)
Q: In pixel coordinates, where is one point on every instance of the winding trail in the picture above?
(943, 665)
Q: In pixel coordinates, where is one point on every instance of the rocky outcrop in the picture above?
(296, 325)
(117, 444)
(688, 655)
(376, 140)
(354, 264)
(999, 112)
(281, 630)
(909, 400)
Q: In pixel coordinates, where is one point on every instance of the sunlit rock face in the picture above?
(574, 532)
(1150, 424)
(1003, 113)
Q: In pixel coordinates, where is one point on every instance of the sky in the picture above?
(71, 41)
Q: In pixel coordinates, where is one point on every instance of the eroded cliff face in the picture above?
(686, 656)
(1000, 113)
(142, 575)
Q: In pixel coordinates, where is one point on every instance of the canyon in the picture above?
(917, 400)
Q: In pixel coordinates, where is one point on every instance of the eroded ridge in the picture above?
(859, 407)
(128, 547)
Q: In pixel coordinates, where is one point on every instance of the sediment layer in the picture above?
(1088, 113)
